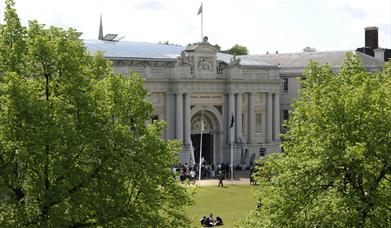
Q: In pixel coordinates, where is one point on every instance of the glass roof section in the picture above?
(135, 50)
(143, 50)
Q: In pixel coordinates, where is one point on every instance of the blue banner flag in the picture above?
(232, 121)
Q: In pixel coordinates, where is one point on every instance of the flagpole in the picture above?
(202, 22)
(232, 155)
(202, 128)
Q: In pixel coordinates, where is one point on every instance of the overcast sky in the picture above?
(279, 25)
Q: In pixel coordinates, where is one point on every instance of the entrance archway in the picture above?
(211, 134)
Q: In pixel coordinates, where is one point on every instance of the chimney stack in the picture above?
(379, 54)
(371, 37)
(100, 36)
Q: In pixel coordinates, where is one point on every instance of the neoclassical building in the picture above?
(194, 84)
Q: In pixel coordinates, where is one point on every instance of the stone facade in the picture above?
(198, 86)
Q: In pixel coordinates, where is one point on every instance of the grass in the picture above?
(230, 203)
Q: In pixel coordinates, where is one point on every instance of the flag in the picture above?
(232, 121)
(199, 10)
(191, 148)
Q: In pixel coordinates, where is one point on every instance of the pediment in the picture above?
(202, 47)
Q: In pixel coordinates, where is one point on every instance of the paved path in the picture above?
(210, 182)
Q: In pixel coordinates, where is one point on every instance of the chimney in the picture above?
(379, 54)
(100, 36)
(371, 37)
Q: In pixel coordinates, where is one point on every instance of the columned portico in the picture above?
(199, 79)
(269, 117)
(179, 116)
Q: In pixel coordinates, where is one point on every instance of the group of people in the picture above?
(187, 172)
(210, 221)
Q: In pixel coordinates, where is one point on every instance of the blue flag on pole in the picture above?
(232, 121)
(199, 10)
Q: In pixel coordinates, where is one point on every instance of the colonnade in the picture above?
(272, 116)
(272, 131)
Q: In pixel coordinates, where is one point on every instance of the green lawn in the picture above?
(229, 203)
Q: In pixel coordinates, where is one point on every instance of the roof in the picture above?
(132, 49)
(144, 50)
(248, 60)
(300, 60)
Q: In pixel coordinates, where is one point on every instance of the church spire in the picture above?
(100, 37)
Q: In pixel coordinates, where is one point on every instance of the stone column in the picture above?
(276, 117)
(251, 118)
(225, 119)
(231, 109)
(269, 118)
(238, 115)
(187, 118)
(179, 116)
(168, 114)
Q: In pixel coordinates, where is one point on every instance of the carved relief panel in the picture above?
(205, 64)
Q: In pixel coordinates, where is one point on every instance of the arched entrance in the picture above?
(211, 133)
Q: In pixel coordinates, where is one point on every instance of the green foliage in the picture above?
(218, 48)
(309, 49)
(336, 168)
(12, 44)
(237, 50)
(74, 147)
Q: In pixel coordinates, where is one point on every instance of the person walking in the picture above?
(221, 178)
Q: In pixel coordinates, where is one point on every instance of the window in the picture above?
(258, 123)
(285, 114)
(258, 98)
(285, 85)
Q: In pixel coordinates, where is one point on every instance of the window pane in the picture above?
(258, 122)
(285, 85)
(286, 114)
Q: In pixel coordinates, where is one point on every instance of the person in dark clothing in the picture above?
(219, 221)
(208, 223)
(202, 220)
(221, 178)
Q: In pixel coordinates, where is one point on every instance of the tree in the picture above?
(218, 48)
(309, 49)
(74, 147)
(336, 168)
(237, 50)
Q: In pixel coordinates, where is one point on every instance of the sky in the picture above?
(262, 26)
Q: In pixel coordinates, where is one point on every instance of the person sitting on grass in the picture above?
(210, 221)
(207, 221)
(202, 220)
(219, 221)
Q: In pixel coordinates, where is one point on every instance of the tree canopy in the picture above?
(335, 170)
(309, 49)
(237, 50)
(75, 150)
